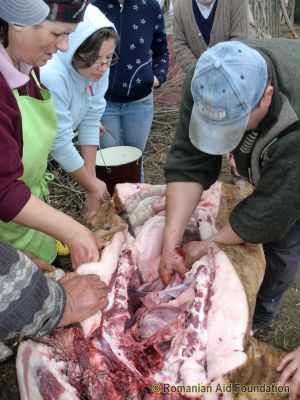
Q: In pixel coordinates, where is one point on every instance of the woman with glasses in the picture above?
(142, 67)
(78, 80)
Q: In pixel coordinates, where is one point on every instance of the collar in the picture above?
(13, 77)
(205, 11)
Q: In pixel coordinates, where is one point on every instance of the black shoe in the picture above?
(258, 326)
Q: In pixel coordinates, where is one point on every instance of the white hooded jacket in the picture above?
(77, 107)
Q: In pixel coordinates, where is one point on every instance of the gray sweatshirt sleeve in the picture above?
(30, 304)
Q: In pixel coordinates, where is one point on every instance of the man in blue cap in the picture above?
(243, 99)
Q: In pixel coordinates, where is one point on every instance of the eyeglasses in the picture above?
(110, 61)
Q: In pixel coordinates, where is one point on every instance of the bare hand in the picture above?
(83, 246)
(159, 205)
(86, 294)
(156, 82)
(171, 261)
(290, 373)
(94, 199)
(102, 129)
(193, 251)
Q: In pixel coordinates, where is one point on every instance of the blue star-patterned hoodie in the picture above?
(142, 50)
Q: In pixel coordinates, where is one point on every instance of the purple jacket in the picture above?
(14, 194)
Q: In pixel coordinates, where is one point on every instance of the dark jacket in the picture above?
(275, 203)
(142, 48)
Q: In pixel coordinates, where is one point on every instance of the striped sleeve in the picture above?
(30, 304)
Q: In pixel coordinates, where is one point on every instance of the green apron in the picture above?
(39, 126)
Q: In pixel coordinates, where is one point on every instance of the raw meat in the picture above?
(190, 333)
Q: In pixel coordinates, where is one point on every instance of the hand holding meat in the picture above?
(86, 294)
(83, 247)
(290, 372)
(94, 198)
(172, 260)
(193, 251)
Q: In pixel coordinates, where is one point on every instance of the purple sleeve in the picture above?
(14, 194)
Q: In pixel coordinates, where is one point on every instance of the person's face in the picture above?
(35, 45)
(95, 72)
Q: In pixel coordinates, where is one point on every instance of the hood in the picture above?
(93, 20)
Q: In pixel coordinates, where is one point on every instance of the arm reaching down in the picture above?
(96, 190)
(38, 215)
(182, 198)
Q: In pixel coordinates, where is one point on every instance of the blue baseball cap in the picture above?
(229, 81)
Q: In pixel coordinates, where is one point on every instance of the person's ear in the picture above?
(18, 28)
(267, 96)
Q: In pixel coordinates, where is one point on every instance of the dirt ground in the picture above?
(68, 197)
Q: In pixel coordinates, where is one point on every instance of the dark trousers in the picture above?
(282, 265)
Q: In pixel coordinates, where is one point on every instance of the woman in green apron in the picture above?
(27, 130)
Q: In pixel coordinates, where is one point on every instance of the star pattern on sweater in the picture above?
(140, 42)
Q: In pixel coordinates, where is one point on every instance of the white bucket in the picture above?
(119, 164)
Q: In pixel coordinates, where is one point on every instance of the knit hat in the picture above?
(23, 12)
(229, 81)
(71, 11)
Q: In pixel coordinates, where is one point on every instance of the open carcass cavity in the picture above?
(211, 342)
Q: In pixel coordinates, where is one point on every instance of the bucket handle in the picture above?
(108, 170)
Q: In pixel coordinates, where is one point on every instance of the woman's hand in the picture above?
(156, 82)
(94, 198)
(83, 246)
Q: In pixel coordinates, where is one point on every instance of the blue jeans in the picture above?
(282, 265)
(128, 124)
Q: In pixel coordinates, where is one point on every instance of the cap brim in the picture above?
(215, 138)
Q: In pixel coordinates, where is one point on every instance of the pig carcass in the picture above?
(194, 332)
